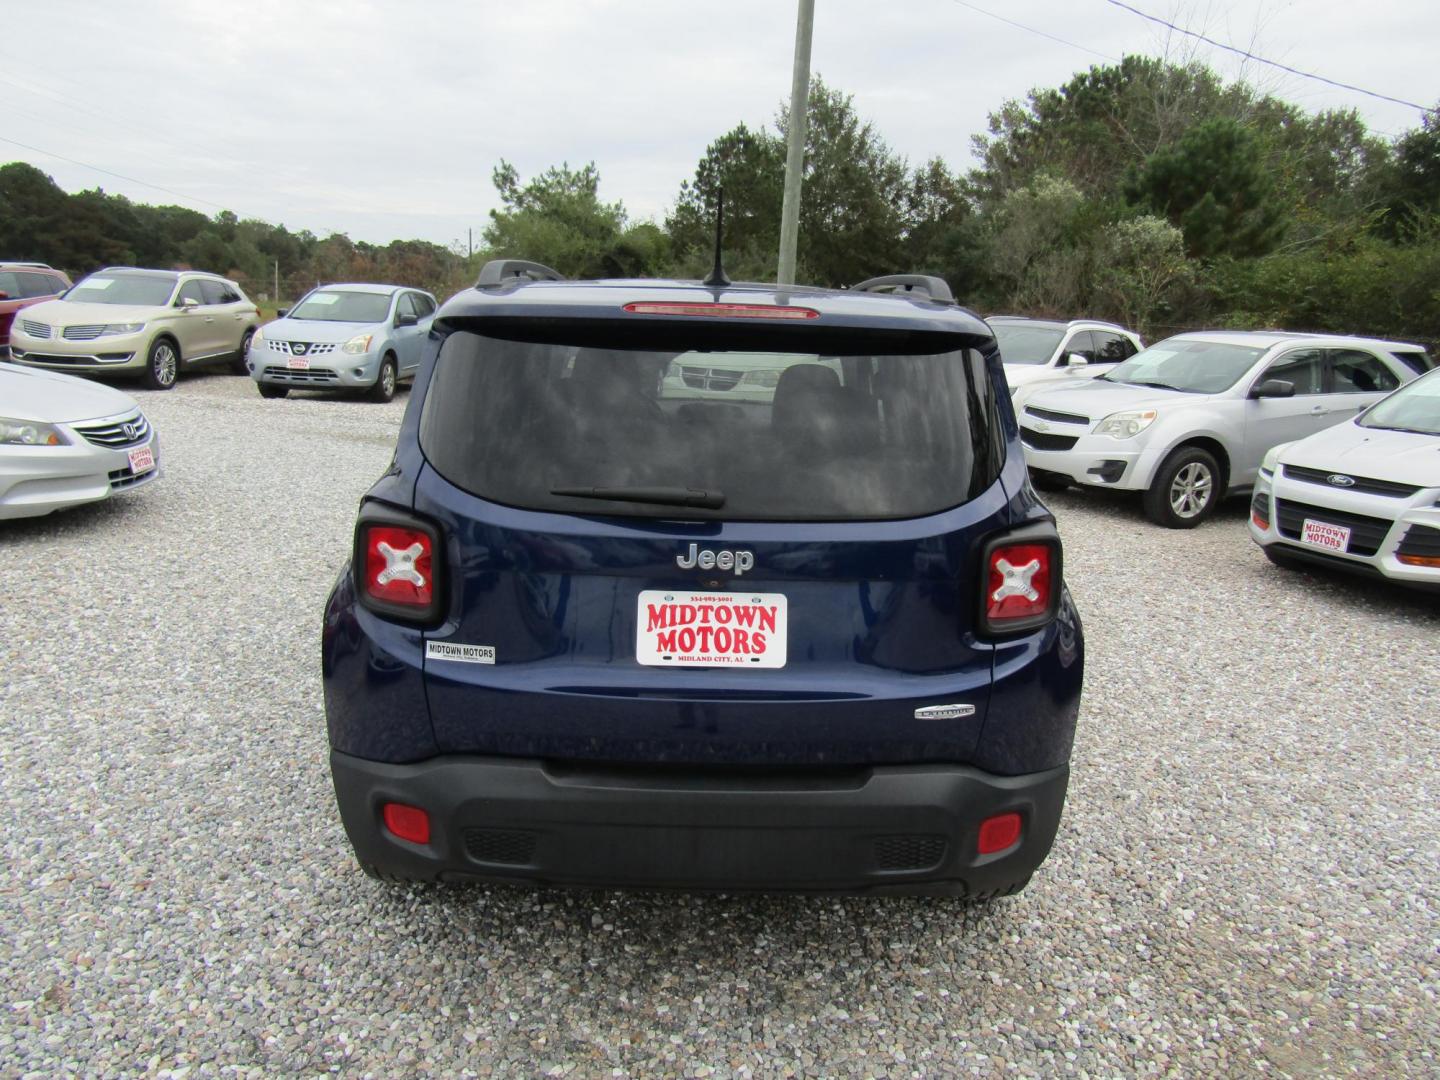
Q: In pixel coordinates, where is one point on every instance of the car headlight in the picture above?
(111, 329)
(257, 337)
(358, 344)
(1271, 460)
(770, 378)
(1126, 425)
(29, 433)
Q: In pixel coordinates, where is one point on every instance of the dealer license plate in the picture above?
(142, 460)
(299, 363)
(677, 628)
(1324, 535)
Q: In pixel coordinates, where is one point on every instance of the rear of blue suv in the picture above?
(680, 586)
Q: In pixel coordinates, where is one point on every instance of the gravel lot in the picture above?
(1247, 879)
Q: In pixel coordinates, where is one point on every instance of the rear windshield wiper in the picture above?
(661, 496)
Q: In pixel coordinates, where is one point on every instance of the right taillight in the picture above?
(1021, 582)
(397, 566)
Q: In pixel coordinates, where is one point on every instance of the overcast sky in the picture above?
(383, 119)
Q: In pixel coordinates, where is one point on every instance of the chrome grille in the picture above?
(35, 329)
(1058, 417)
(307, 348)
(117, 433)
(81, 333)
(703, 378)
(302, 375)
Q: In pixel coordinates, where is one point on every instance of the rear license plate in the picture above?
(699, 629)
(142, 460)
(1324, 535)
(299, 363)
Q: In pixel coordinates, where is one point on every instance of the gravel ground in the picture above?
(1247, 880)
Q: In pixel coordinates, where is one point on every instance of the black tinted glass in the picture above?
(781, 435)
(1026, 344)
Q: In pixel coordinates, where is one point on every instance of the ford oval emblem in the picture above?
(1341, 480)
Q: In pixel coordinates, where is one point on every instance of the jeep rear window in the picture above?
(801, 434)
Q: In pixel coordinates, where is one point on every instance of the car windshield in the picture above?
(1196, 367)
(1414, 407)
(132, 289)
(342, 305)
(1026, 344)
(807, 434)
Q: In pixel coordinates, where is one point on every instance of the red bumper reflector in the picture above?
(407, 822)
(1258, 521)
(999, 832)
(726, 311)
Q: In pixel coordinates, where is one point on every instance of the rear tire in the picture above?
(269, 391)
(162, 365)
(238, 364)
(384, 388)
(1186, 489)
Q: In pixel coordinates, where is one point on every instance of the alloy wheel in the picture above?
(1191, 490)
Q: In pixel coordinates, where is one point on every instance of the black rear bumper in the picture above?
(902, 829)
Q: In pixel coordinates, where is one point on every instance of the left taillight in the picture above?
(398, 566)
(1020, 582)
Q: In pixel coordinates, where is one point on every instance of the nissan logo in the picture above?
(1341, 480)
(298, 348)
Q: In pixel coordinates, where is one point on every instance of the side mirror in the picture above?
(1273, 388)
(406, 320)
(280, 313)
(4, 295)
(1076, 360)
(187, 303)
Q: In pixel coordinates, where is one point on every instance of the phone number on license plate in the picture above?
(685, 629)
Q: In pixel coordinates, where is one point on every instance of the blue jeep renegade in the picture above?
(725, 586)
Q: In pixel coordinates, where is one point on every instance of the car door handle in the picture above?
(1319, 410)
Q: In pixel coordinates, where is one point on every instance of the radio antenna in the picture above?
(717, 278)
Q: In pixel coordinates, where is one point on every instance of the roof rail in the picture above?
(31, 265)
(498, 271)
(905, 284)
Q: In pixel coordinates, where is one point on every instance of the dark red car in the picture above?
(23, 284)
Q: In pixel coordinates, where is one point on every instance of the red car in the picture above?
(23, 284)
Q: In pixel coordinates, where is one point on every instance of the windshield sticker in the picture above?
(465, 654)
(325, 299)
(98, 283)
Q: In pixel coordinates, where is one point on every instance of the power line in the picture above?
(1033, 30)
(1261, 60)
(107, 172)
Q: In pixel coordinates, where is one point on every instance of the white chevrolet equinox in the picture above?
(1189, 419)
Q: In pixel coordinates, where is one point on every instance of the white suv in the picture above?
(1190, 418)
(1037, 353)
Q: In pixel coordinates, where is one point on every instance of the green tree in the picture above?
(1141, 266)
(557, 219)
(1213, 185)
(750, 168)
(1414, 184)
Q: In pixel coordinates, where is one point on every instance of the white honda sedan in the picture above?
(1360, 496)
(66, 441)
